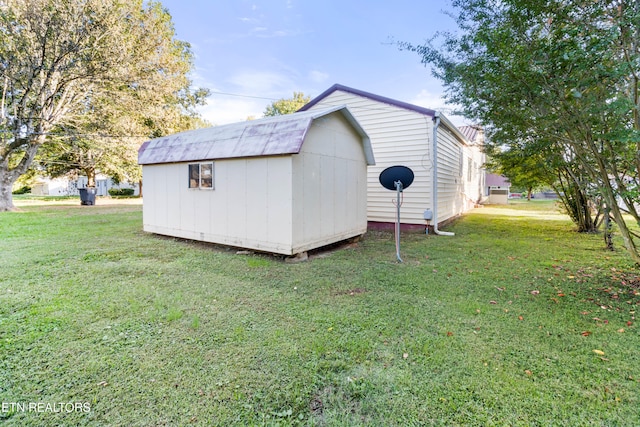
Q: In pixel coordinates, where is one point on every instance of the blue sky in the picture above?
(267, 49)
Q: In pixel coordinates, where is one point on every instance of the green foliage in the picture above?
(113, 74)
(287, 106)
(22, 190)
(121, 191)
(555, 78)
(494, 326)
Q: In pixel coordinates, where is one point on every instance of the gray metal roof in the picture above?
(270, 136)
(471, 132)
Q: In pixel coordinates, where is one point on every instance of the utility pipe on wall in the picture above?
(434, 178)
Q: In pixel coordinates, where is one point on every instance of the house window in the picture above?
(201, 175)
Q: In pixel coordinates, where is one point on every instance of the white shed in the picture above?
(284, 184)
(402, 134)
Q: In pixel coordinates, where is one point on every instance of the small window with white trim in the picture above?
(201, 175)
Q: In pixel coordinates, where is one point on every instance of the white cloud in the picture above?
(318, 76)
(235, 103)
(225, 109)
(265, 33)
(260, 83)
(429, 100)
(436, 102)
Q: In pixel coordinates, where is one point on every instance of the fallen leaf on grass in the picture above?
(528, 372)
(405, 355)
(520, 318)
(449, 334)
(629, 323)
(586, 333)
(492, 302)
(561, 294)
(621, 330)
(599, 352)
(535, 292)
(103, 383)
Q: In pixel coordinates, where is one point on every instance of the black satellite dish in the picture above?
(393, 174)
(397, 178)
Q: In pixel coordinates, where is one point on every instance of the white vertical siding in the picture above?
(330, 181)
(283, 204)
(398, 136)
(251, 205)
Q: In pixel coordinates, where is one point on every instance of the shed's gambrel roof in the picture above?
(270, 136)
(388, 101)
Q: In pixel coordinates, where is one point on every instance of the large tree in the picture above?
(562, 73)
(66, 63)
(287, 105)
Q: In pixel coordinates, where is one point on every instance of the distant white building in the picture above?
(449, 174)
(497, 189)
(64, 186)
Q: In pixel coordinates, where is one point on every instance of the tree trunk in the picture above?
(609, 195)
(529, 193)
(91, 177)
(6, 198)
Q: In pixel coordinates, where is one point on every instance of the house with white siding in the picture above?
(68, 186)
(283, 184)
(447, 162)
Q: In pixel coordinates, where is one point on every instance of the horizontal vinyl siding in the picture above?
(398, 137)
(450, 175)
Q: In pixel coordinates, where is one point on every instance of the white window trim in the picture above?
(199, 183)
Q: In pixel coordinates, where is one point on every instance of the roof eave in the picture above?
(383, 99)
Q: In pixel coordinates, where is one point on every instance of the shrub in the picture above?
(22, 190)
(121, 191)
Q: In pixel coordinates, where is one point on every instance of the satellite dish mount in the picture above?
(397, 178)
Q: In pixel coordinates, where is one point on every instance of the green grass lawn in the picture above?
(516, 320)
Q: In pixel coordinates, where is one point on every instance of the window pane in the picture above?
(194, 176)
(206, 175)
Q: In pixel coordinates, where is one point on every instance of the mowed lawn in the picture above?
(515, 320)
